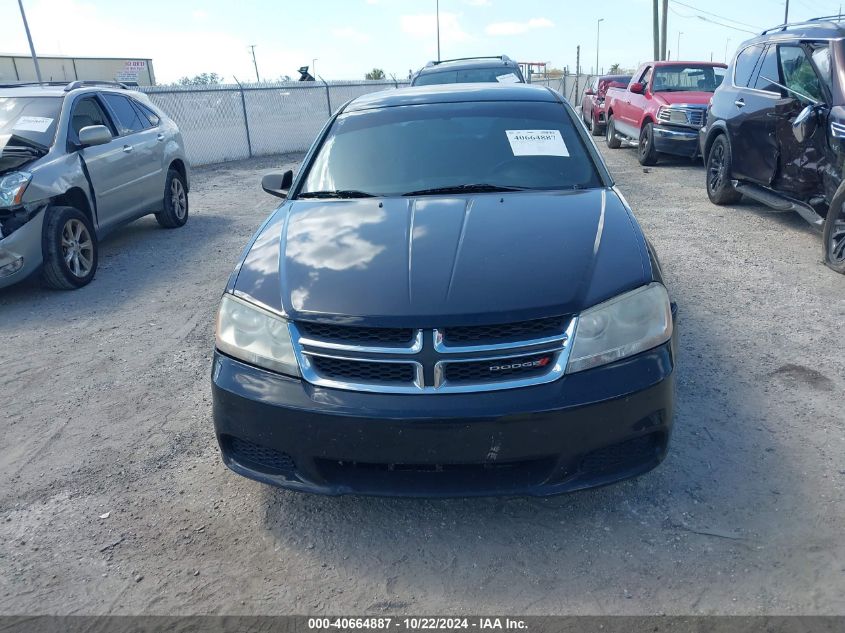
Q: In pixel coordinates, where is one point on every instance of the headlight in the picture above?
(255, 336)
(12, 187)
(623, 326)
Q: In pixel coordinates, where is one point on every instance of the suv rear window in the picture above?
(396, 150)
(32, 119)
(745, 64)
(469, 75)
(128, 118)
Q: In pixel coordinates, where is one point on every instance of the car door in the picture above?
(804, 68)
(750, 119)
(101, 162)
(142, 164)
(634, 104)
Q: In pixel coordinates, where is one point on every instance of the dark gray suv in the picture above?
(77, 161)
(500, 69)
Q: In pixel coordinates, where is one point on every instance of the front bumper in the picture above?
(20, 252)
(676, 140)
(586, 429)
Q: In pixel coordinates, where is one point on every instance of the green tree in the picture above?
(614, 69)
(375, 74)
(203, 79)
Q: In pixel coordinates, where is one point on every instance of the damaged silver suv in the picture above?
(77, 161)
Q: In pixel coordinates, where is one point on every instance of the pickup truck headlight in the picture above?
(12, 187)
(255, 336)
(631, 323)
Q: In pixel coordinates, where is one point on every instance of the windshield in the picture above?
(398, 150)
(500, 74)
(32, 119)
(691, 77)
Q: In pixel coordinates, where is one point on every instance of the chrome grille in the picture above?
(507, 332)
(358, 335)
(451, 360)
(686, 115)
(366, 372)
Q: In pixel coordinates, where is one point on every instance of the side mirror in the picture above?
(277, 184)
(92, 135)
(637, 88)
(805, 124)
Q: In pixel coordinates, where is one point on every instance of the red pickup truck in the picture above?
(662, 108)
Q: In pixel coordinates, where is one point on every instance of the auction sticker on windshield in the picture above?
(33, 123)
(537, 143)
(508, 78)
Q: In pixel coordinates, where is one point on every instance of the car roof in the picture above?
(451, 93)
(473, 62)
(32, 91)
(59, 89)
(682, 62)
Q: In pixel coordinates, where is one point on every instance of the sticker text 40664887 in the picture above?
(537, 143)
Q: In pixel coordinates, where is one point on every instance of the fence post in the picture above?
(328, 96)
(246, 118)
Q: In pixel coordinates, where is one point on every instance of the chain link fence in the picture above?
(570, 86)
(230, 122)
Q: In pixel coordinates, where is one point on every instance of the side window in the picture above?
(147, 113)
(798, 73)
(744, 65)
(128, 118)
(769, 72)
(87, 112)
(646, 76)
(821, 57)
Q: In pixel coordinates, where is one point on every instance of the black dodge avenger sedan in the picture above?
(453, 300)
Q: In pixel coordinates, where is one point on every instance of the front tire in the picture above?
(594, 126)
(833, 236)
(718, 173)
(646, 153)
(610, 134)
(175, 208)
(69, 249)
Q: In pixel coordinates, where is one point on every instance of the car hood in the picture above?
(445, 260)
(691, 96)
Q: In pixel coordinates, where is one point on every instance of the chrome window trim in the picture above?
(416, 345)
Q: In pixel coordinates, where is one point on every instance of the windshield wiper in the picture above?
(471, 188)
(338, 193)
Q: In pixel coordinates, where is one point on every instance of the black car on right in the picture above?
(775, 128)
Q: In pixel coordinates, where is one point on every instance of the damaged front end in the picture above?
(20, 239)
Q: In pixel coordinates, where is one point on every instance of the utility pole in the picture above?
(314, 66)
(663, 21)
(438, 29)
(678, 49)
(656, 30)
(786, 13)
(31, 45)
(577, 68)
(254, 63)
(598, 30)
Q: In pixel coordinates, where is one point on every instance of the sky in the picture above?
(350, 37)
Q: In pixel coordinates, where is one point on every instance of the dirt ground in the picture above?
(114, 499)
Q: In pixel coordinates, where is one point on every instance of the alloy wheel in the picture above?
(178, 198)
(715, 167)
(836, 241)
(77, 248)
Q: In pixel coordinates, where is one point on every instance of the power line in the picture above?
(711, 21)
(716, 15)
